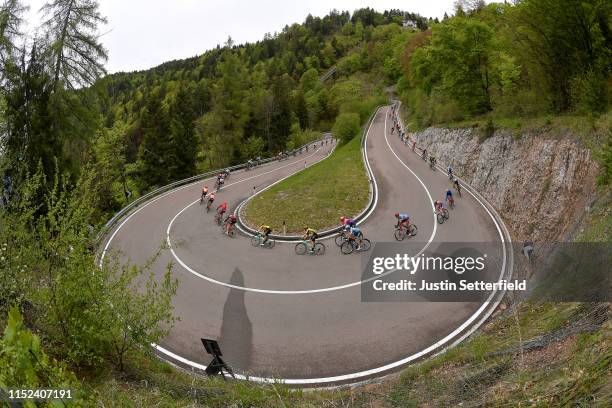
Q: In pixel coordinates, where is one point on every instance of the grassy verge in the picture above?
(317, 196)
(148, 382)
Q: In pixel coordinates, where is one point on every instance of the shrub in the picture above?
(347, 126)
(589, 93)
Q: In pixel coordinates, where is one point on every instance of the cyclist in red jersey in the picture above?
(222, 208)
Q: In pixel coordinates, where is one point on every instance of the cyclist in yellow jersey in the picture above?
(311, 235)
(265, 230)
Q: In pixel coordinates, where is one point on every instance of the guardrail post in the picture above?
(284, 228)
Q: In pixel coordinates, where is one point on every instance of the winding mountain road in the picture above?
(300, 318)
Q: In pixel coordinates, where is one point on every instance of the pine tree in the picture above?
(184, 140)
(157, 156)
(75, 53)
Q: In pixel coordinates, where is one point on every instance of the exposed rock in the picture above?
(539, 185)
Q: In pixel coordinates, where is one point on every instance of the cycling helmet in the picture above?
(396, 214)
(342, 219)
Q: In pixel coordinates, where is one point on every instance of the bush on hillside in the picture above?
(347, 126)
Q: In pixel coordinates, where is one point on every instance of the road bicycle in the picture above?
(231, 231)
(209, 205)
(401, 232)
(451, 202)
(257, 240)
(353, 245)
(219, 218)
(341, 238)
(303, 247)
(442, 215)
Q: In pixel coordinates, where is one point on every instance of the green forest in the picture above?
(78, 144)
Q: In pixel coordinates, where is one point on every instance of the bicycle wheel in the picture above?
(400, 234)
(300, 248)
(319, 248)
(340, 239)
(440, 218)
(446, 214)
(270, 243)
(413, 230)
(365, 245)
(452, 204)
(255, 239)
(347, 247)
(218, 219)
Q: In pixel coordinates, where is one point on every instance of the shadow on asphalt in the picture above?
(236, 329)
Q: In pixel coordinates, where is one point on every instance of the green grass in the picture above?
(316, 197)
(148, 382)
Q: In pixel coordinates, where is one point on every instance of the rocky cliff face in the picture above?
(540, 186)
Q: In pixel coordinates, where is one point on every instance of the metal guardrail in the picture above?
(326, 233)
(143, 199)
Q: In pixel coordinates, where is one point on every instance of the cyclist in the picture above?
(403, 221)
(432, 161)
(347, 222)
(424, 154)
(211, 198)
(449, 196)
(457, 185)
(355, 233)
(414, 145)
(204, 193)
(229, 222)
(450, 171)
(265, 230)
(438, 206)
(311, 235)
(221, 209)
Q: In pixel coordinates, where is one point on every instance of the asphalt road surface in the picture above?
(301, 318)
